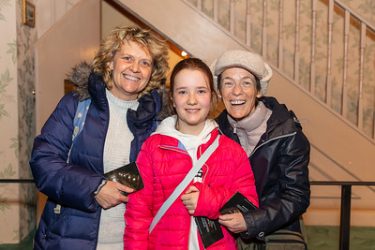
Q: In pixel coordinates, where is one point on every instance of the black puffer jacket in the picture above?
(280, 165)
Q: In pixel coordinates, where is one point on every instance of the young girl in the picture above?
(166, 158)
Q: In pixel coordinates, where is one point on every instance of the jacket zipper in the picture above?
(270, 140)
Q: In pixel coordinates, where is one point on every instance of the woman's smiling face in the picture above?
(132, 66)
(238, 89)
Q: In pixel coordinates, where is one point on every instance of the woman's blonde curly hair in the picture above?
(113, 42)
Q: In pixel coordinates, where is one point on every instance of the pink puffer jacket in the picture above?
(163, 165)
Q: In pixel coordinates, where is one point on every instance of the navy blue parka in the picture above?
(71, 216)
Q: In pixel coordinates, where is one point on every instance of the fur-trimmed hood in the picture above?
(79, 76)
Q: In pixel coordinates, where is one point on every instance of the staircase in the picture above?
(326, 82)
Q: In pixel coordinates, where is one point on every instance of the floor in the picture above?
(327, 238)
(318, 238)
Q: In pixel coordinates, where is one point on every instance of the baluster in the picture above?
(344, 98)
(297, 43)
(199, 5)
(329, 53)
(346, 195)
(313, 47)
(361, 68)
(216, 10)
(281, 33)
(248, 24)
(231, 17)
(264, 30)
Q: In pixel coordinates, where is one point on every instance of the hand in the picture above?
(234, 222)
(190, 199)
(110, 194)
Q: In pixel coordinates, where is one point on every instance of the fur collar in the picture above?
(79, 77)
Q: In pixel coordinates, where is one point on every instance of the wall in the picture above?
(53, 11)
(72, 39)
(17, 124)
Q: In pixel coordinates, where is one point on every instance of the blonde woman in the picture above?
(84, 211)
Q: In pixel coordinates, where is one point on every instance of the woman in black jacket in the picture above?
(273, 140)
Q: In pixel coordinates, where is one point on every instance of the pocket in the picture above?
(68, 224)
(53, 215)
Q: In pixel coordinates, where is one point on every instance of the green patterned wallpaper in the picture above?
(17, 125)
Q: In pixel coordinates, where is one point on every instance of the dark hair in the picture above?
(192, 64)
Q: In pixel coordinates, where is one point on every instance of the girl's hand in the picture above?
(112, 194)
(234, 222)
(190, 199)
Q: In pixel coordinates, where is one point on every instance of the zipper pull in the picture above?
(57, 209)
(235, 129)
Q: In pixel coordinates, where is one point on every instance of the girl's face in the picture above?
(191, 98)
(238, 91)
(132, 66)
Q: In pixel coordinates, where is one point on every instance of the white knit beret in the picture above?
(250, 61)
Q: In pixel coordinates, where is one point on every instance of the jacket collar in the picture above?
(146, 114)
(281, 122)
(96, 89)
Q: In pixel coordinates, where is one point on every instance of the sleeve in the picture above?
(138, 215)
(277, 211)
(241, 177)
(66, 184)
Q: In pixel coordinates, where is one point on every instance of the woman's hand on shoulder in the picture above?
(234, 222)
(112, 194)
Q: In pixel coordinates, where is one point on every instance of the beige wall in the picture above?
(53, 11)
(72, 39)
